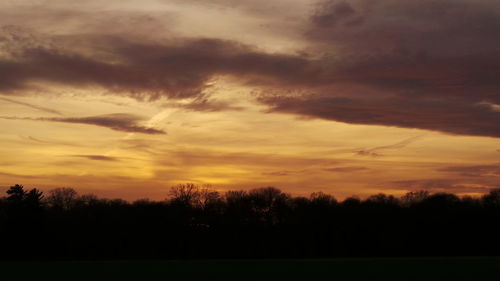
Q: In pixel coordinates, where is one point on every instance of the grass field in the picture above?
(425, 269)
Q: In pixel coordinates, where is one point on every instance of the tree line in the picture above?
(199, 222)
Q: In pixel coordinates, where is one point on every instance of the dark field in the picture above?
(424, 269)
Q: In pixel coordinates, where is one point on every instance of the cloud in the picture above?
(204, 103)
(406, 28)
(202, 157)
(473, 170)
(98, 157)
(329, 13)
(424, 64)
(37, 107)
(374, 151)
(118, 121)
(177, 68)
(345, 169)
(11, 175)
(48, 142)
(414, 64)
(454, 115)
(459, 178)
(282, 173)
(446, 185)
(259, 8)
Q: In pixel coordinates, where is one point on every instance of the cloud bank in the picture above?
(425, 64)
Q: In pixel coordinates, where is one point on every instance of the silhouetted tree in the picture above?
(383, 199)
(492, 199)
(87, 200)
(185, 194)
(440, 201)
(267, 202)
(351, 202)
(197, 222)
(322, 198)
(16, 193)
(34, 198)
(23, 216)
(63, 198)
(21, 198)
(414, 197)
(209, 197)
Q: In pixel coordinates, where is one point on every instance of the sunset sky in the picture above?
(128, 98)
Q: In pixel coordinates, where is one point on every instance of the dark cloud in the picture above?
(415, 64)
(98, 157)
(453, 115)
(405, 28)
(37, 107)
(118, 121)
(329, 13)
(178, 68)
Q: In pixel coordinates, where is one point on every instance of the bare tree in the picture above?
(208, 196)
(187, 194)
(267, 200)
(492, 199)
(383, 199)
(87, 200)
(63, 198)
(322, 198)
(414, 197)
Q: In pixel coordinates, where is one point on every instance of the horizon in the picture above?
(351, 98)
(223, 193)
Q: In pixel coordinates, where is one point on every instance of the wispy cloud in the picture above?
(446, 185)
(345, 169)
(473, 170)
(374, 152)
(49, 141)
(118, 121)
(282, 173)
(11, 175)
(97, 157)
(37, 107)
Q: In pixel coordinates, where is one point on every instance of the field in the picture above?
(425, 269)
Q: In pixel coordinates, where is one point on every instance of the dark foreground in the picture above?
(256, 270)
(265, 223)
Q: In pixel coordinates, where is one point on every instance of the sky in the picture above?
(351, 97)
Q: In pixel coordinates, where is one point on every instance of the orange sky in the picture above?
(127, 98)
